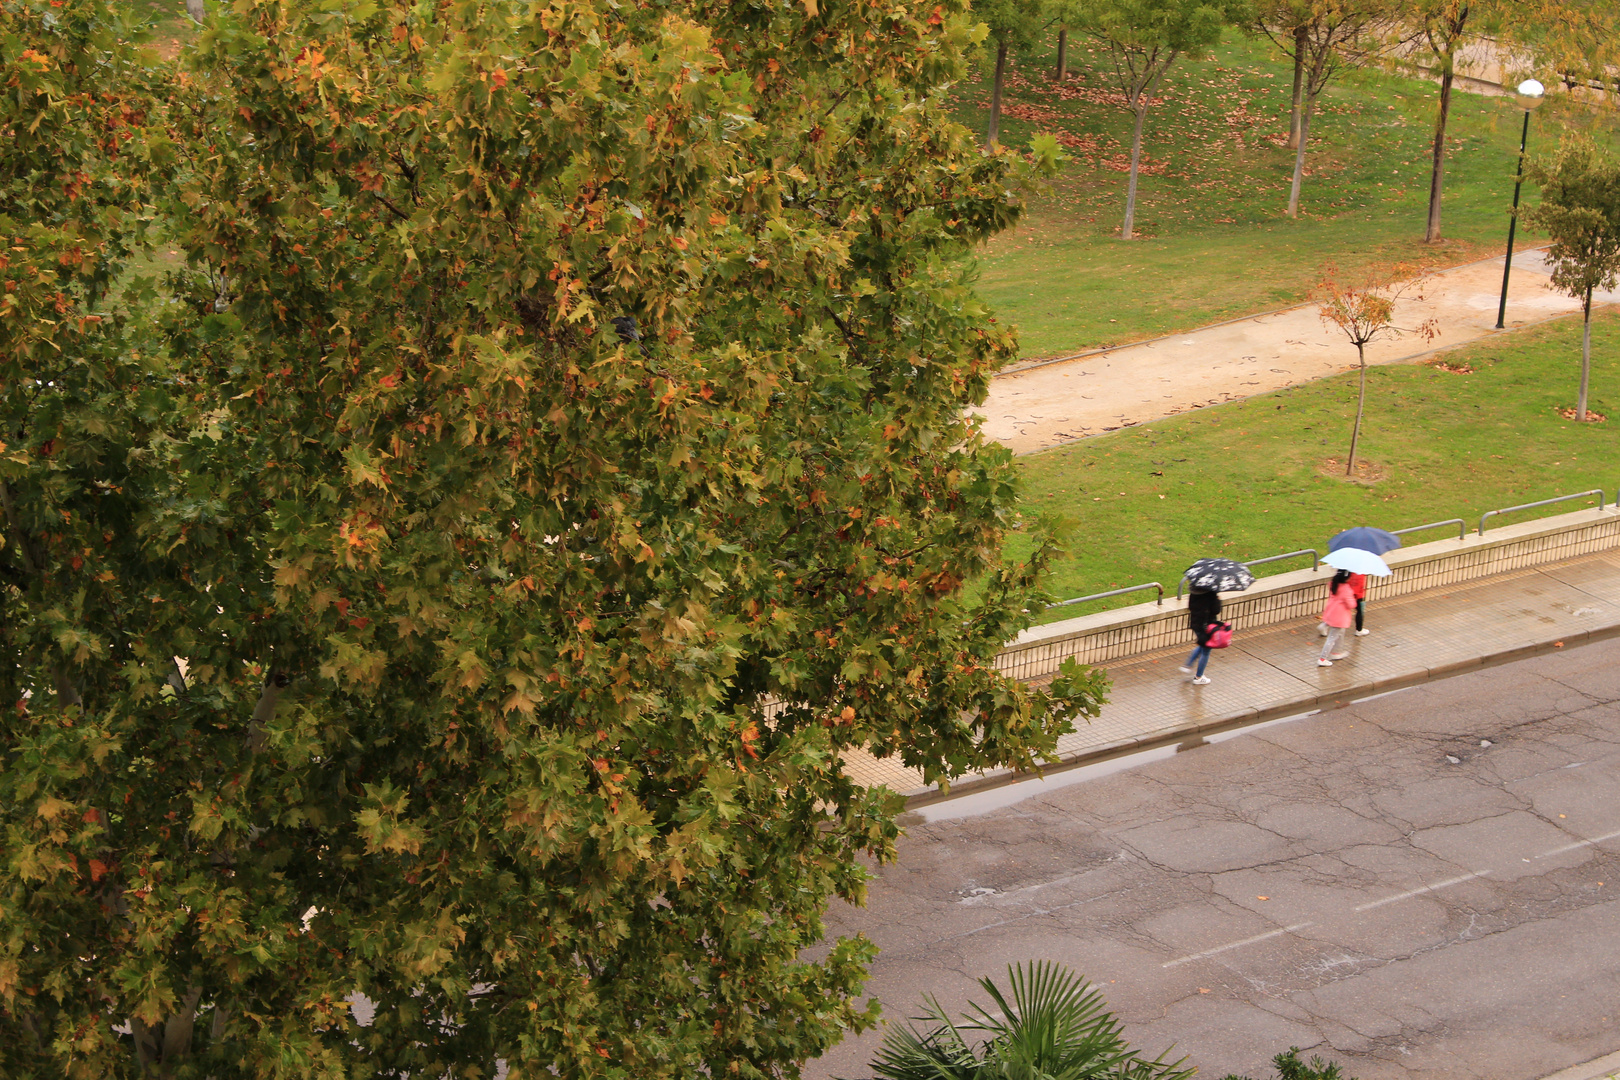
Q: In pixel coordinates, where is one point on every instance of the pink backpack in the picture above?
(1220, 634)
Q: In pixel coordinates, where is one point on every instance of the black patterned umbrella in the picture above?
(1218, 575)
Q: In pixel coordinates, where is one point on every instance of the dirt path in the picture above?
(1039, 407)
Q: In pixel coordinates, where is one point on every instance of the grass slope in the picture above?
(1264, 475)
(1211, 202)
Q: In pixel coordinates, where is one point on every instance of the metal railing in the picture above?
(1544, 502)
(1316, 561)
(1462, 531)
(1462, 527)
(1114, 592)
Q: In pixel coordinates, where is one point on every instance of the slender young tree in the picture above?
(1144, 38)
(1296, 99)
(1310, 32)
(1561, 35)
(1365, 314)
(1443, 26)
(1278, 19)
(1580, 212)
(1014, 26)
(1319, 36)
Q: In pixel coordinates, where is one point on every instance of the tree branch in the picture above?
(265, 711)
(380, 197)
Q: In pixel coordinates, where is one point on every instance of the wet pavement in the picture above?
(1422, 884)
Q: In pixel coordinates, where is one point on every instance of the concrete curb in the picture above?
(1189, 736)
(1596, 1069)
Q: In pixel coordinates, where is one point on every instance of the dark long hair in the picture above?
(1341, 578)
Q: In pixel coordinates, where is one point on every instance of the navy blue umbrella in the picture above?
(1365, 538)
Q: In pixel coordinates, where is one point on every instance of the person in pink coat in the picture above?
(1338, 615)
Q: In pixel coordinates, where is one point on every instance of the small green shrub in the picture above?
(1289, 1067)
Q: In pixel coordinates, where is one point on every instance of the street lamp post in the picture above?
(1529, 94)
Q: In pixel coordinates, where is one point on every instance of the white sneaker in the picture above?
(1362, 633)
(1186, 671)
(1202, 680)
(1324, 662)
(1337, 655)
(1321, 629)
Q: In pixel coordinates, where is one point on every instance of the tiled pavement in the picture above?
(1273, 673)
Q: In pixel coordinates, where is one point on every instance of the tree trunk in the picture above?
(1437, 178)
(1299, 157)
(1586, 360)
(194, 8)
(1361, 407)
(1063, 54)
(994, 133)
(1136, 160)
(264, 710)
(1301, 36)
(159, 1052)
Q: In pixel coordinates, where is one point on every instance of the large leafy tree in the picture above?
(552, 456)
(1580, 211)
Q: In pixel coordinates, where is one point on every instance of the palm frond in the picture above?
(1050, 1024)
(937, 1053)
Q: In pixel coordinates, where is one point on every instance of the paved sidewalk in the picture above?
(1272, 673)
(1604, 1068)
(1037, 407)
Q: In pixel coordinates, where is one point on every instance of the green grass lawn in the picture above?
(1265, 475)
(1218, 244)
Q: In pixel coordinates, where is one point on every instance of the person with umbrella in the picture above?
(1336, 616)
(1362, 538)
(1206, 580)
(1341, 607)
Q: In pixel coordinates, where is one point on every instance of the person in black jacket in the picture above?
(1203, 609)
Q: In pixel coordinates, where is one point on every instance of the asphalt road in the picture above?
(1423, 884)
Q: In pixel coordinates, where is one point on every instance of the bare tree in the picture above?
(1366, 314)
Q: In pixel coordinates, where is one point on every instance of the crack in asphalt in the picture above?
(1288, 839)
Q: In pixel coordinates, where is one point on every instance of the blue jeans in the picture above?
(1200, 653)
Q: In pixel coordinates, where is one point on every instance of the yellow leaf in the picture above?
(522, 702)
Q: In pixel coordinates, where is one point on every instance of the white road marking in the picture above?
(1386, 900)
(1235, 944)
(1419, 892)
(1578, 845)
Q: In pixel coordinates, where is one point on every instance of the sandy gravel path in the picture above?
(1038, 407)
